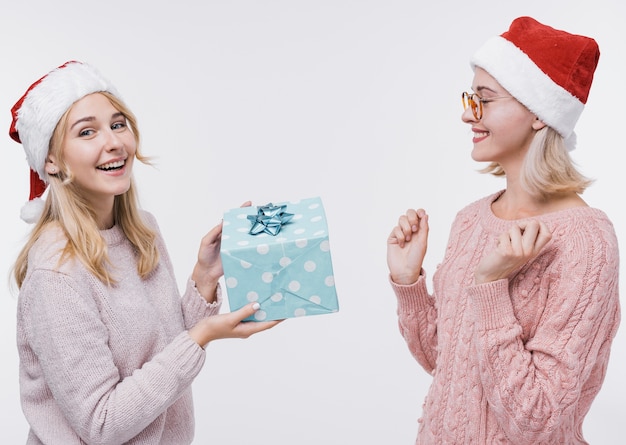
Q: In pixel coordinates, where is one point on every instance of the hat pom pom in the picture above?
(32, 210)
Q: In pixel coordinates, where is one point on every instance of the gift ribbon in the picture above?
(269, 219)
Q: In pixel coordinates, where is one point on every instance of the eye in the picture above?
(86, 132)
(118, 126)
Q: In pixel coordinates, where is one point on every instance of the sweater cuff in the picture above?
(412, 297)
(195, 298)
(492, 304)
(195, 307)
(188, 356)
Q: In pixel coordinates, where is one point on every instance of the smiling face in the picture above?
(506, 127)
(98, 149)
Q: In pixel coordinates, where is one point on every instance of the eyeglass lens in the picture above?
(474, 103)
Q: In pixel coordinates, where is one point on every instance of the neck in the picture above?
(105, 217)
(516, 203)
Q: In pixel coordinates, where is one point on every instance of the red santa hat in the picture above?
(549, 71)
(37, 113)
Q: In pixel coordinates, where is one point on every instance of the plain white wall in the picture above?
(357, 102)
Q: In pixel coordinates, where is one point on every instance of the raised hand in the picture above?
(406, 246)
(208, 269)
(514, 248)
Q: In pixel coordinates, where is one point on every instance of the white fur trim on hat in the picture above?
(521, 77)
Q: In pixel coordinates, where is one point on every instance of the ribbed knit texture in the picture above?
(107, 365)
(515, 361)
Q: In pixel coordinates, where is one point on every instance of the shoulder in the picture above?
(48, 248)
(582, 223)
(585, 235)
(150, 222)
(48, 266)
(149, 219)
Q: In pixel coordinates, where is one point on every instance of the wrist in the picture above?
(200, 334)
(205, 284)
(405, 279)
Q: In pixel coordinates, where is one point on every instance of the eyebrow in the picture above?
(482, 88)
(92, 118)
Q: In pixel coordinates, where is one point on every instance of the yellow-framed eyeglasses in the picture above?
(475, 102)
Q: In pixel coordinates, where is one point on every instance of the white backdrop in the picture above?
(357, 102)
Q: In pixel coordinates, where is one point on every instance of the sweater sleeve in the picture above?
(417, 316)
(69, 339)
(535, 382)
(195, 307)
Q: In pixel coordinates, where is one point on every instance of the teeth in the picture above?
(480, 134)
(111, 165)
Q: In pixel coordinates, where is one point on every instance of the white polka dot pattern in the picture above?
(289, 275)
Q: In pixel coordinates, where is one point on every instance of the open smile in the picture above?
(112, 166)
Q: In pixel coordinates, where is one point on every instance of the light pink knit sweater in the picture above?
(515, 361)
(107, 365)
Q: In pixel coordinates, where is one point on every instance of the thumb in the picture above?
(247, 311)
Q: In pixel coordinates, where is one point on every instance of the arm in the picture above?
(406, 248)
(417, 316)
(202, 298)
(208, 269)
(534, 385)
(107, 395)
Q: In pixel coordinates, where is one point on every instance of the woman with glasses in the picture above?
(517, 330)
(108, 347)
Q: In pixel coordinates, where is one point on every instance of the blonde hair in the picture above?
(548, 168)
(66, 208)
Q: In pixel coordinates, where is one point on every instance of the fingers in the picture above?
(216, 231)
(408, 224)
(229, 325)
(397, 237)
(514, 248)
(531, 236)
(246, 329)
(544, 236)
(246, 311)
(246, 204)
(210, 244)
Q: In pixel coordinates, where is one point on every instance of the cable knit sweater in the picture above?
(107, 365)
(519, 360)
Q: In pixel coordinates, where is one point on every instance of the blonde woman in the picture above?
(518, 328)
(108, 347)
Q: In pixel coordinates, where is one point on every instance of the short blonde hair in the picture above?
(548, 168)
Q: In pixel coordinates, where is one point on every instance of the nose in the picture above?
(468, 116)
(113, 141)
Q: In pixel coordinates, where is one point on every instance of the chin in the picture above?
(480, 156)
(476, 157)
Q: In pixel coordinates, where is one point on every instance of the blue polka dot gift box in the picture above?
(279, 256)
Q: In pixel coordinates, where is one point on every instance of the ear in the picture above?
(51, 165)
(538, 124)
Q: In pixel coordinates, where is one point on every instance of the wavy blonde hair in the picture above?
(548, 168)
(66, 208)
